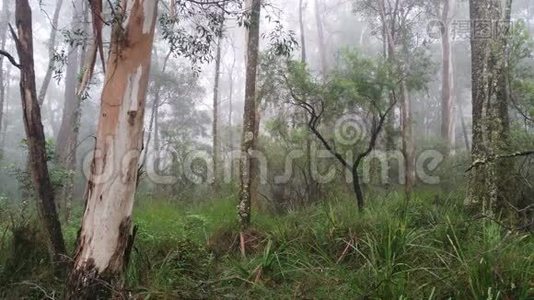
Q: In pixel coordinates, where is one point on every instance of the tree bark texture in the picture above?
(408, 144)
(489, 185)
(249, 116)
(34, 131)
(106, 234)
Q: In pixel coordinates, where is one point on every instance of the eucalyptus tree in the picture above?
(447, 78)
(249, 137)
(216, 106)
(35, 137)
(489, 182)
(106, 236)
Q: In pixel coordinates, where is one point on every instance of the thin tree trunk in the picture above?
(157, 146)
(154, 115)
(408, 146)
(155, 104)
(389, 37)
(249, 120)
(106, 234)
(6, 86)
(311, 186)
(67, 140)
(360, 200)
(34, 131)
(464, 128)
(447, 87)
(230, 102)
(302, 32)
(215, 126)
(320, 35)
(51, 50)
(3, 35)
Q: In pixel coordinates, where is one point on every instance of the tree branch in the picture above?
(10, 58)
(484, 161)
(7, 54)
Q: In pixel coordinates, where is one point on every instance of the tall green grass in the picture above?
(427, 248)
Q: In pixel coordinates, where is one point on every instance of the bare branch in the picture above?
(10, 58)
(492, 158)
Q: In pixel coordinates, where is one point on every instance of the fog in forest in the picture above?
(303, 149)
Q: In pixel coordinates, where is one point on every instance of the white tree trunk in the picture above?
(106, 234)
(447, 87)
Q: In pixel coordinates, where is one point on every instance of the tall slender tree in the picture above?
(67, 139)
(447, 86)
(302, 32)
(231, 99)
(106, 235)
(3, 36)
(248, 138)
(311, 185)
(320, 37)
(51, 52)
(489, 185)
(5, 121)
(216, 105)
(394, 30)
(33, 126)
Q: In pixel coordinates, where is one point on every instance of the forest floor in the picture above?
(424, 249)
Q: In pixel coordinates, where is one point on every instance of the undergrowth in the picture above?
(424, 249)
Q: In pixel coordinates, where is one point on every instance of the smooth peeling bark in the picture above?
(106, 233)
